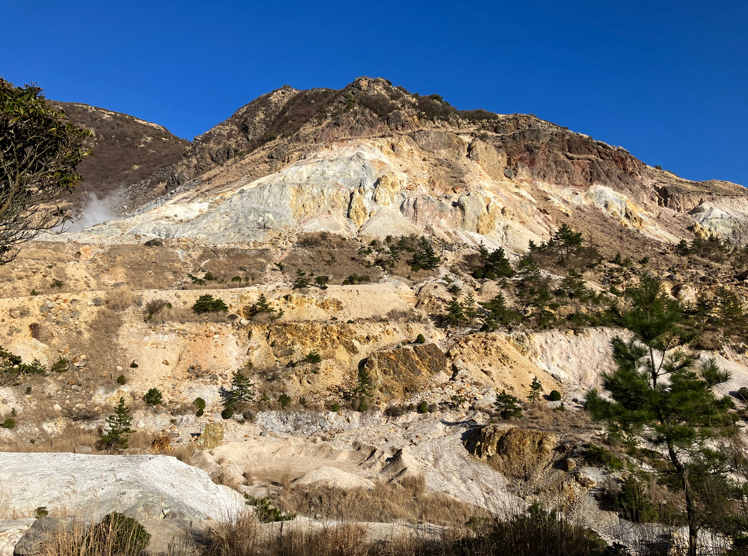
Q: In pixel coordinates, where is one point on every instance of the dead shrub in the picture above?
(119, 299)
(540, 416)
(184, 453)
(154, 306)
(115, 535)
(238, 537)
(67, 441)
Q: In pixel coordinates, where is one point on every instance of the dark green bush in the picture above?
(354, 279)
(264, 511)
(743, 393)
(118, 534)
(153, 397)
(554, 396)
(206, 304)
(199, 412)
(133, 365)
(284, 400)
(335, 407)
(121, 379)
(228, 412)
(60, 366)
(199, 403)
(597, 455)
(8, 424)
(420, 339)
(423, 407)
(12, 367)
(362, 406)
(313, 357)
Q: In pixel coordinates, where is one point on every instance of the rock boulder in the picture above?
(91, 486)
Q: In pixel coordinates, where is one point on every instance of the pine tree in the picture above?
(455, 314)
(494, 264)
(241, 391)
(302, 280)
(536, 388)
(424, 256)
(507, 406)
(118, 427)
(568, 240)
(468, 307)
(572, 287)
(498, 312)
(262, 306)
(659, 394)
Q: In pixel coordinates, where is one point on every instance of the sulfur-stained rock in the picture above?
(162, 445)
(517, 453)
(211, 436)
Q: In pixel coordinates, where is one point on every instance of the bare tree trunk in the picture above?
(693, 527)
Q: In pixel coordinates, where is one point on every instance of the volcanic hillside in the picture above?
(125, 151)
(382, 267)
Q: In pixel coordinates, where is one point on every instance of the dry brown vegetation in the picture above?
(540, 416)
(406, 501)
(120, 298)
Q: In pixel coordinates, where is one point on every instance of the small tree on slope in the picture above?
(118, 426)
(659, 394)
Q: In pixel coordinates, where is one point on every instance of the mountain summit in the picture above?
(372, 159)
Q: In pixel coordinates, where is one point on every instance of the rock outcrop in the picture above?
(92, 486)
(404, 371)
(518, 453)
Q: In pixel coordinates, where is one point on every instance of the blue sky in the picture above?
(666, 80)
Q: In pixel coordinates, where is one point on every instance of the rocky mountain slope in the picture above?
(125, 151)
(372, 160)
(338, 227)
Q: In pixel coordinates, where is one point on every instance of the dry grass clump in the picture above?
(67, 441)
(120, 298)
(107, 323)
(240, 537)
(343, 540)
(387, 502)
(115, 535)
(542, 417)
(184, 453)
(154, 306)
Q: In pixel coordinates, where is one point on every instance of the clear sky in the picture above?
(666, 80)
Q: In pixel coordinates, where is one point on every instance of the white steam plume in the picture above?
(96, 211)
